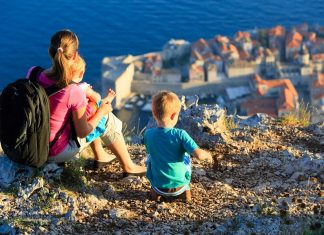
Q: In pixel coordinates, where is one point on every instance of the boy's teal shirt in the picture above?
(167, 147)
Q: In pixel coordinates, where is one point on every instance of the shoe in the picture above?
(96, 165)
(126, 174)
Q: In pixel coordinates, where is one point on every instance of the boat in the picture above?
(140, 102)
(128, 106)
(147, 107)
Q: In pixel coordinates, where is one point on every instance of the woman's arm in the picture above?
(83, 126)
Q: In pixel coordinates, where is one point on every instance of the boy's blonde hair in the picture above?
(165, 103)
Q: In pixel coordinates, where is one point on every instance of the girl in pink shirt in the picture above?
(71, 102)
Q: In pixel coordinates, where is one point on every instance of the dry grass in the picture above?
(300, 117)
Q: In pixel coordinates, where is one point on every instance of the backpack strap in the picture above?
(34, 77)
(34, 74)
(51, 90)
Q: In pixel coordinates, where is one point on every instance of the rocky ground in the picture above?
(266, 178)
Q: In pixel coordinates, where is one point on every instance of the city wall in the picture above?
(192, 88)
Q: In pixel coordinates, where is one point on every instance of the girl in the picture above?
(70, 102)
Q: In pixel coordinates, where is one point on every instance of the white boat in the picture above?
(147, 107)
(140, 103)
(128, 106)
(134, 99)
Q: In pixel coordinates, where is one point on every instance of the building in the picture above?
(174, 51)
(293, 45)
(316, 88)
(276, 42)
(241, 68)
(118, 76)
(243, 40)
(196, 72)
(275, 97)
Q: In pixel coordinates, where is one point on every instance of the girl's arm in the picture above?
(92, 95)
(83, 126)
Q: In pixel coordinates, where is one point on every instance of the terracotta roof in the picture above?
(201, 44)
(264, 105)
(286, 100)
(242, 35)
(223, 48)
(318, 57)
(294, 40)
(232, 48)
(318, 96)
(319, 81)
(221, 39)
(312, 37)
(244, 55)
(287, 96)
(278, 31)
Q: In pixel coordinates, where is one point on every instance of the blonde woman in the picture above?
(70, 103)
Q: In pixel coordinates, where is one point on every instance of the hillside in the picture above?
(267, 178)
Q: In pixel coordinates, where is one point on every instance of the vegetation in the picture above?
(300, 117)
(73, 176)
(229, 121)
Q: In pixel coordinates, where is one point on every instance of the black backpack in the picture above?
(24, 120)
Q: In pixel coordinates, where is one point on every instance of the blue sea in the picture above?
(118, 27)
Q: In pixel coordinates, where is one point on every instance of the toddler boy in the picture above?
(168, 148)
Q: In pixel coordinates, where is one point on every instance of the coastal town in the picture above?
(268, 71)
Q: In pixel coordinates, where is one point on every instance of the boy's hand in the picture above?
(208, 157)
(110, 96)
(202, 155)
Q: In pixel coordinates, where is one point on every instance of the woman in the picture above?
(70, 102)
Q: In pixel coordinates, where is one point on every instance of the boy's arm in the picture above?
(191, 147)
(202, 155)
(92, 95)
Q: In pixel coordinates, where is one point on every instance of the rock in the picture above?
(36, 184)
(57, 208)
(52, 171)
(258, 120)
(120, 213)
(70, 215)
(204, 123)
(63, 196)
(199, 172)
(12, 172)
(7, 229)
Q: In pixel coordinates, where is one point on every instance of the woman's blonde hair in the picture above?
(165, 103)
(63, 48)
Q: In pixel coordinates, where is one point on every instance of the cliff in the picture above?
(267, 178)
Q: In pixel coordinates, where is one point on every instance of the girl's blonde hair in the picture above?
(62, 50)
(165, 103)
(78, 68)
